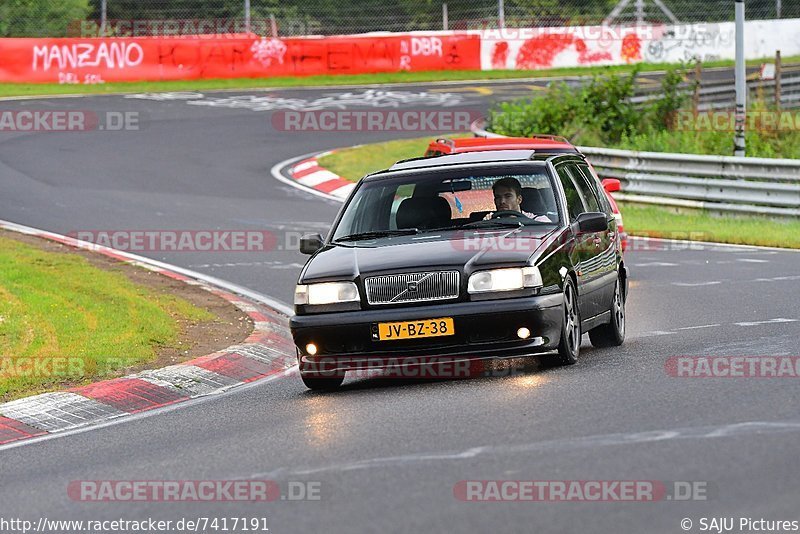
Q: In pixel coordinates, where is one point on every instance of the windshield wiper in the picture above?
(494, 223)
(377, 234)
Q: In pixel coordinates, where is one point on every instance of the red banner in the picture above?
(96, 60)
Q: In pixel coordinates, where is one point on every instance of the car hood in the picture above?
(466, 251)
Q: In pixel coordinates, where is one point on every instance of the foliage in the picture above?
(44, 18)
(601, 113)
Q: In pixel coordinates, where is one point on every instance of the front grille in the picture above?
(412, 287)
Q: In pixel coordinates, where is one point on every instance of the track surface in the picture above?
(388, 454)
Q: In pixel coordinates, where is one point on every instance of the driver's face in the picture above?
(506, 199)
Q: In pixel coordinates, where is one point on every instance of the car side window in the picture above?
(574, 202)
(596, 187)
(589, 198)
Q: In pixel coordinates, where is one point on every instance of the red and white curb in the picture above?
(309, 173)
(268, 351)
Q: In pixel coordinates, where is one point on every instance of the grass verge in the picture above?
(699, 225)
(39, 89)
(65, 321)
(353, 163)
(653, 221)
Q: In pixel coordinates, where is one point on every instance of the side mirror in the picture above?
(611, 184)
(309, 244)
(592, 222)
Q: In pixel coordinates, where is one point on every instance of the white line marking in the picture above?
(778, 279)
(700, 326)
(729, 246)
(655, 333)
(752, 260)
(748, 428)
(270, 264)
(696, 284)
(779, 320)
(656, 264)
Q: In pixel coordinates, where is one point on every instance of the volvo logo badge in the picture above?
(412, 287)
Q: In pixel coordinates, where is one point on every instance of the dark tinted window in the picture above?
(597, 188)
(574, 203)
(589, 198)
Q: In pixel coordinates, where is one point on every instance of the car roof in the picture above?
(480, 157)
(472, 144)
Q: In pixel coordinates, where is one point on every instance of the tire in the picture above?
(613, 333)
(569, 346)
(321, 381)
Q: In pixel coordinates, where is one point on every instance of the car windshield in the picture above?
(438, 201)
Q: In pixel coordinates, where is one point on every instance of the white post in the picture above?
(103, 18)
(247, 16)
(741, 85)
(640, 12)
(274, 25)
(444, 16)
(501, 14)
(778, 7)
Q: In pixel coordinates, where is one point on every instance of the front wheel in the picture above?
(613, 333)
(570, 344)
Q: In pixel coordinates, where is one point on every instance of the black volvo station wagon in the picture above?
(483, 255)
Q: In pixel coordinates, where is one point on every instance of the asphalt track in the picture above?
(388, 453)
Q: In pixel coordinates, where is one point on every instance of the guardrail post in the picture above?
(778, 80)
(741, 87)
(698, 72)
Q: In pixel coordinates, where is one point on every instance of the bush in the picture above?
(600, 113)
(599, 110)
(40, 18)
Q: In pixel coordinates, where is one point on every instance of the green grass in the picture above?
(699, 225)
(653, 221)
(79, 322)
(12, 89)
(353, 163)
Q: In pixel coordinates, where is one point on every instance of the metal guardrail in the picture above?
(720, 94)
(756, 186)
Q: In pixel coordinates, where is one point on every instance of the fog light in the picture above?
(311, 349)
(523, 333)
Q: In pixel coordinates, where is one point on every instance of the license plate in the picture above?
(443, 326)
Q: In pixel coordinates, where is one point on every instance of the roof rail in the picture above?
(559, 138)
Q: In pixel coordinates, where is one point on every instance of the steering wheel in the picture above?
(507, 213)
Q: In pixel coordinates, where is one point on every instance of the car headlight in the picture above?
(326, 293)
(504, 279)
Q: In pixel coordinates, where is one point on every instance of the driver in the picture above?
(508, 196)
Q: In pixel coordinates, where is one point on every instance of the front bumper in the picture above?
(483, 330)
